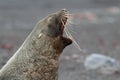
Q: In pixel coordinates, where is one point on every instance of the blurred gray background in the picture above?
(96, 28)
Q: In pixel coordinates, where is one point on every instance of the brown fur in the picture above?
(37, 58)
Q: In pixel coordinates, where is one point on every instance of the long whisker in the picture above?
(70, 36)
(69, 23)
(70, 20)
(75, 43)
(71, 29)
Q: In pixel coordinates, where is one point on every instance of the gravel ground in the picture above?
(96, 29)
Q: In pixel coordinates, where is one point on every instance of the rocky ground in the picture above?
(95, 26)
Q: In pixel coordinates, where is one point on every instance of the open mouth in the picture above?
(64, 17)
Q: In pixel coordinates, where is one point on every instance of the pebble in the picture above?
(102, 63)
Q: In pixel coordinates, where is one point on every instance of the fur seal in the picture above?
(37, 58)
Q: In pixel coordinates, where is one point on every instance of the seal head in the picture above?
(56, 24)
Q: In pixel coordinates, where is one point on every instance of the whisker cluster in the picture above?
(70, 35)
